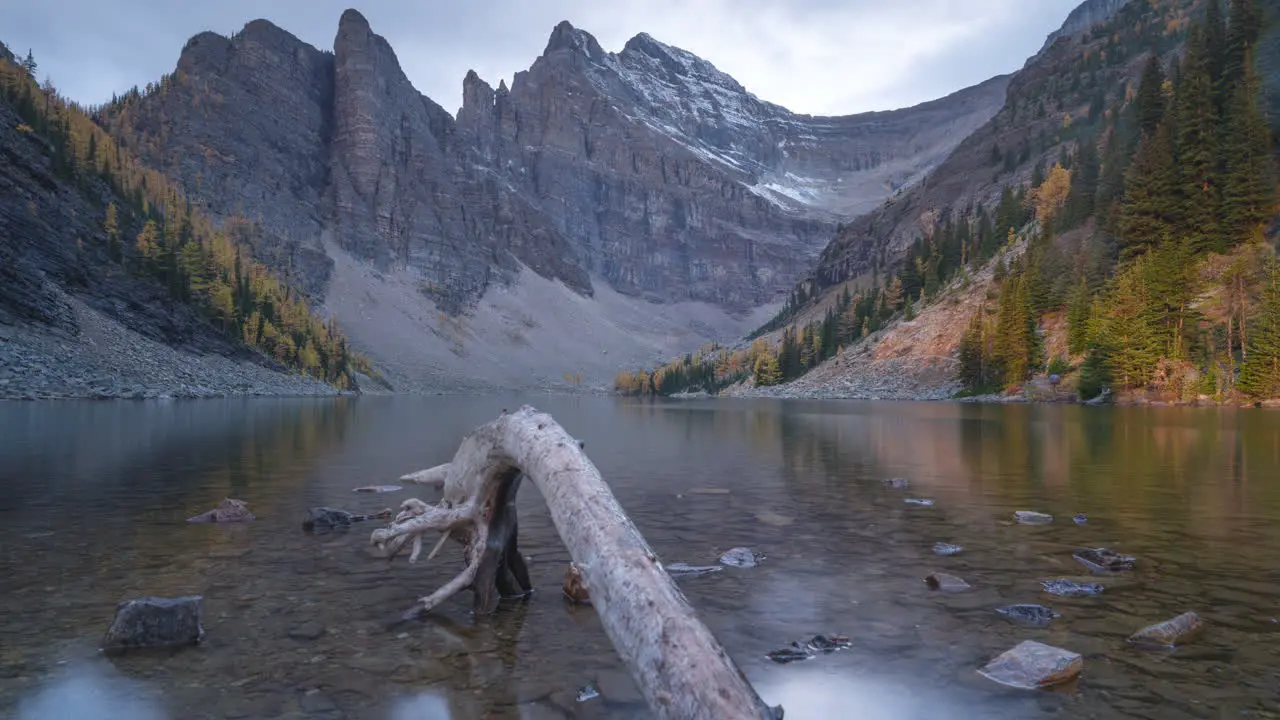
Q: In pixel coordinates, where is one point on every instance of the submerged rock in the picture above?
(1071, 588)
(896, 483)
(741, 557)
(789, 654)
(809, 648)
(827, 643)
(229, 510)
(1104, 560)
(918, 501)
(678, 569)
(769, 517)
(1170, 632)
(1029, 517)
(378, 489)
(1030, 664)
(945, 582)
(1029, 613)
(1080, 518)
(575, 585)
(587, 692)
(947, 549)
(155, 622)
(323, 519)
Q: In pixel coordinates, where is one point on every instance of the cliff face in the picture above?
(649, 168)
(647, 173)
(675, 183)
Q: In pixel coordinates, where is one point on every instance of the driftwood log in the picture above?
(675, 661)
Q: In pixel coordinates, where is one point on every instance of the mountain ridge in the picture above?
(592, 168)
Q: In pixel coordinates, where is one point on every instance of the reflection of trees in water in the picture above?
(1167, 470)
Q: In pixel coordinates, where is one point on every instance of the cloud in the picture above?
(815, 56)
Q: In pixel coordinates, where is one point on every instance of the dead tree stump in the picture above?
(679, 666)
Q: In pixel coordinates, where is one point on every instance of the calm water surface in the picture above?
(93, 498)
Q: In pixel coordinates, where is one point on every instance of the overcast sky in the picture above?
(814, 56)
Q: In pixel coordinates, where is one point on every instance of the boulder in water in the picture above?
(1030, 664)
(897, 483)
(1080, 519)
(945, 582)
(741, 557)
(1070, 588)
(1029, 613)
(918, 501)
(947, 549)
(154, 622)
(1170, 632)
(1103, 560)
(1029, 517)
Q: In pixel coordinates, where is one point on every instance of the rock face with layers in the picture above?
(648, 171)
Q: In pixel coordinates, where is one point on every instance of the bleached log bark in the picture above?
(434, 476)
(679, 666)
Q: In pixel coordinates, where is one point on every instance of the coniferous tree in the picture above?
(1196, 119)
(1248, 196)
(111, 224)
(893, 294)
(1146, 210)
(1078, 319)
(1243, 29)
(1260, 372)
(1122, 333)
(1150, 102)
(973, 372)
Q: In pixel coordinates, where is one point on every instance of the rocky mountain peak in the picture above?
(567, 37)
(353, 21)
(677, 65)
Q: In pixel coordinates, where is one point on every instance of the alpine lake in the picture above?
(94, 498)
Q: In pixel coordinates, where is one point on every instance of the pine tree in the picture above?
(766, 370)
(1123, 332)
(1147, 207)
(111, 225)
(1150, 98)
(1245, 24)
(1260, 373)
(1248, 200)
(1015, 340)
(1078, 319)
(893, 295)
(1215, 40)
(29, 64)
(973, 371)
(1196, 149)
(908, 312)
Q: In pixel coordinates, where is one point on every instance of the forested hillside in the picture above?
(150, 232)
(1140, 231)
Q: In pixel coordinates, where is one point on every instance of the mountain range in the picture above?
(605, 210)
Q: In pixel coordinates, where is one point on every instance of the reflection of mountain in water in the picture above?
(83, 452)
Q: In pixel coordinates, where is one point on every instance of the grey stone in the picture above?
(155, 622)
